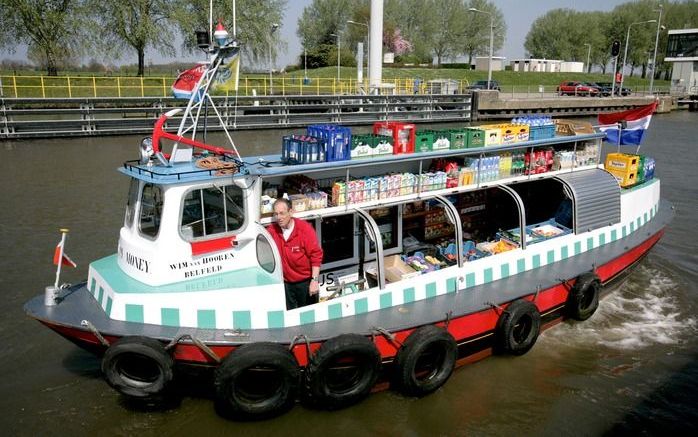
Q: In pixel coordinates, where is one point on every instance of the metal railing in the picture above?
(21, 86)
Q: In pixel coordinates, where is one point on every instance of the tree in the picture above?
(138, 24)
(476, 36)
(50, 28)
(322, 18)
(254, 21)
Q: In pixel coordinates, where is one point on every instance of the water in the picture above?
(631, 368)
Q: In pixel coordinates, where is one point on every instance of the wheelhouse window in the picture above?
(131, 203)
(151, 210)
(212, 210)
(265, 254)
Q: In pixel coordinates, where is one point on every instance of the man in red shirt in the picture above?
(301, 255)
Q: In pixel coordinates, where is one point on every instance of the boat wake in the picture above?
(644, 311)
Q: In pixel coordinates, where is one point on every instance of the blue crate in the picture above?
(302, 149)
(337, 139)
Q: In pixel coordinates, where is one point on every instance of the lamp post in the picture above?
(625, 54)
(368, 44)
(489, 64)
(339, 50)
(274, 26)
(588, 57)
(656, 41)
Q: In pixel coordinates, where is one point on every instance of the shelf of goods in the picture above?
(333, 188)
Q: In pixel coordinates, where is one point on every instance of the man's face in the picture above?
(283, 214)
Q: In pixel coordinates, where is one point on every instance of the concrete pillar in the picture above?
(375, 73)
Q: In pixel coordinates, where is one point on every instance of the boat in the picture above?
(425, 268)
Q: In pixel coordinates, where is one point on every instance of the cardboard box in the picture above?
(396, 269)
(572, 127)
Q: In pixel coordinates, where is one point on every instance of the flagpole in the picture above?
(64, 231)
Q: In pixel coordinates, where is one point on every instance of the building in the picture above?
(682, 50)
(546, 66)
(482, 61)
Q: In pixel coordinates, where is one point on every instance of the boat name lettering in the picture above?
(203, 271)
(134, 261)
(199, 262)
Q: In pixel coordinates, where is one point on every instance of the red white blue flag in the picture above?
(183, 87)
(633, 124)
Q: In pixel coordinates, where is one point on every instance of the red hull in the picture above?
(471, 331)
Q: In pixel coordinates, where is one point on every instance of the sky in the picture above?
(518, 14)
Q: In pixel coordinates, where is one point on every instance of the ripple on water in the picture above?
(644, 311)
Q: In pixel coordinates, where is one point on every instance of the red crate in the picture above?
(402, 133)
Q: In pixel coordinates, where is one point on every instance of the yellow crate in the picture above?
(622, 162)
(493, 134)
(624, 178)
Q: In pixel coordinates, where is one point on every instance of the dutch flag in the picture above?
(634, 122)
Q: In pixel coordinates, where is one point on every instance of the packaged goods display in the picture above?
(623, 167)
(540, 127)
(371, 146)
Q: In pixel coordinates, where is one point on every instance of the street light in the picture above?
(368, 44)
(339, 49)
(489, 64)
(625, 54)
(274, 26)
(588, 57)
(656, 41)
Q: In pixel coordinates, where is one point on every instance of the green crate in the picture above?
(423, 141)
(476, 137)
(362, 146)
(458, 138)
(441, 140)
(640, 178)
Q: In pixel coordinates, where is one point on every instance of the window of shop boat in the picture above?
(131, 203)
(265, 254)
(151, 210)
(212, 210)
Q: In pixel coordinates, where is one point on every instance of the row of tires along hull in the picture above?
(261, 380)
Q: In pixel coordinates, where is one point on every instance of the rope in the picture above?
(214, 163)
(296, 341)
(91, 327)
(385, 333)
(205, 349)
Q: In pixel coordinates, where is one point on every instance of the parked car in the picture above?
(576, 88)
(482, 85)
(607, 86)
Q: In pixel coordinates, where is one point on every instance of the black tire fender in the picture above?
(425, 361)
(583, 298)
(256, 381)
(518, 328)
(138, 367)
(342, 372)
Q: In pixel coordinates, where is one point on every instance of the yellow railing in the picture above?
(129, 86)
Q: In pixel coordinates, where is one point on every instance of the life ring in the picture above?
(342, 372)
(425, 361)
(517, 328)
(256, 381)
(138, 367)
(583, 298)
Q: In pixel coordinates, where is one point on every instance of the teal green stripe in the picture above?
(93, 286)
(470, 280)
(109, 269)
(504, 270)
(536, 261)
(361, 306)
(632, 226)
(564, 252)
(307, 317)
(639, 222)
(431, 289)
(451, 286)
(275, 319)
(100, 297)
(408, 295)
(624, 231)
(334, 311)
(169, 316)
(242, 320)
(577, 247)
(602, 239)
(206, 319)
(386, 300)
(590, 243)
(134, 313)
(521, 265)
(108, 308)
(614, 235)
(487, 275)
(645, 216)
(551, 256)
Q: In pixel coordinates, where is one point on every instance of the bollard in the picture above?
(50, 295)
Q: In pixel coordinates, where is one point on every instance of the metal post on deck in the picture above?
(14, 83)
(70, 92)
(43, 91)
(164, 88)
(142, 89)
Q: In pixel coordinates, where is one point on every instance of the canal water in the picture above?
(631, 368)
